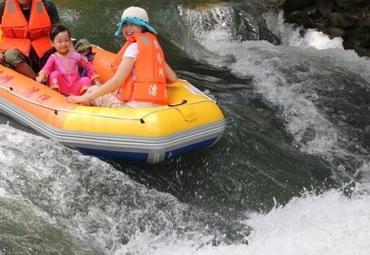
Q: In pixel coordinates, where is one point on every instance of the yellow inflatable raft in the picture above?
(190, 121)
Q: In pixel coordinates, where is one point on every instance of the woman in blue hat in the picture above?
(141, 73)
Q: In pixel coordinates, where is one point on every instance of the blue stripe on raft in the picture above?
(191, 147)
(131, 156)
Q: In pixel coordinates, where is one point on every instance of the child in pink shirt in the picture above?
(62, 67)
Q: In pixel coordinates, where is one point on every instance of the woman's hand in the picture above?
(78, 100)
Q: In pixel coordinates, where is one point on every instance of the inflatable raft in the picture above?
(191, 120)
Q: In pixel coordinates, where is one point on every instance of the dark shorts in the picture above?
(13, 57)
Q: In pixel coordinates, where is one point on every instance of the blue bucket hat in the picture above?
(137, 16)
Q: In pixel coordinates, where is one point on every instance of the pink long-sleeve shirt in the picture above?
(68, 67)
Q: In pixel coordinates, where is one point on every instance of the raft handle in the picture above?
(56, 112)
(142, 121)
(11, 88)
(184, 101)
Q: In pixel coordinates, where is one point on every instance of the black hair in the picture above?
(55, 30)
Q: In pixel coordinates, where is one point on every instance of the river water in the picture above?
(291, 174)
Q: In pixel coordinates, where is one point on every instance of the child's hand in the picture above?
(41, 78)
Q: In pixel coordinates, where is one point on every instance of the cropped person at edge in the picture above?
(26, 24)
(133, 83)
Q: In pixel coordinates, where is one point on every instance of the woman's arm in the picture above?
(170, 75)
(109, 86)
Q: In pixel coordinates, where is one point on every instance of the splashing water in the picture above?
(87, 203)
(292, 35)
(292, 79)
(329, 223)
(287, 77)
(86, 206)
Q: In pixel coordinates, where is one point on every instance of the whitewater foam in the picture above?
(329, 223)
(80, 191)
(86, 198)
(291, 35)
(287, 77)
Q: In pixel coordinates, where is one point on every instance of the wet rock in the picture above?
(345, 4)
(349, 19)
(325, 7)
(336, 32)
(358, 38)
(246, 28)
(341, 20)
(292, 5)
(366, 22)
(300, 17)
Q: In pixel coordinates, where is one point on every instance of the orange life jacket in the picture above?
(149, 80)
(18, 33)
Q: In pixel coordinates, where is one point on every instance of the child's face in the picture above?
(130, 28)
(62, 43)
